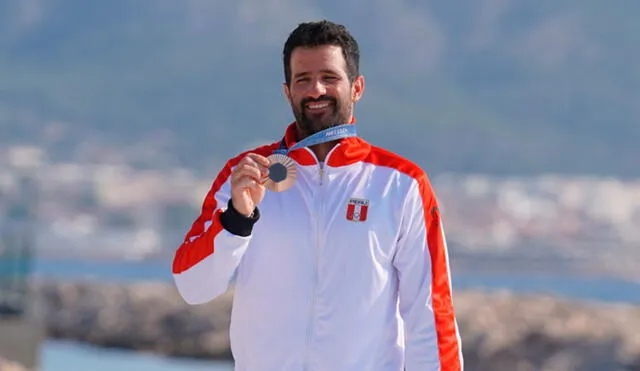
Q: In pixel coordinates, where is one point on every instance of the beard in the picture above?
(311, 123)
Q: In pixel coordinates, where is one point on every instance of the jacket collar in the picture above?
(346, 152)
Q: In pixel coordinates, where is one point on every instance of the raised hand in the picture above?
(247, 189)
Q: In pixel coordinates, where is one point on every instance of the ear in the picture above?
(357, 89)
(286, 91)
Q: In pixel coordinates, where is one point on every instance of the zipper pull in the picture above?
(321, 173)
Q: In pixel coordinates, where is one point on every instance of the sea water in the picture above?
(69, 356)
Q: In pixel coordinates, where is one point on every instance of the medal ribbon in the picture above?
(326, 135)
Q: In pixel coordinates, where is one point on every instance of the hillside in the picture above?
(498, 86)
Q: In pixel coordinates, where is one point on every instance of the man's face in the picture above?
(320, 92)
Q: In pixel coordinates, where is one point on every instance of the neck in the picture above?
(322, 150)
(319, 150)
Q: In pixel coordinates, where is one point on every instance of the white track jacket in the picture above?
(345, 271)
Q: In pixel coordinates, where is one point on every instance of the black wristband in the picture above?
(236, 223)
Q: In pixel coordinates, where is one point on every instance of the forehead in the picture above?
(309, 60)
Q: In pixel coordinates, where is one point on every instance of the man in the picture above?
(345, 270)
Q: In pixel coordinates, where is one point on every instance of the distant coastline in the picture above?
(500, 330)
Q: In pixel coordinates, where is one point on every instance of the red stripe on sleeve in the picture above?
(191, 252)
(448, 344)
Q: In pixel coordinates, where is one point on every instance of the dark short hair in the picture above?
(319, 33)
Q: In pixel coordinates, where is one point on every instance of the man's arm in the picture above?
(212, 249)
(431, 332)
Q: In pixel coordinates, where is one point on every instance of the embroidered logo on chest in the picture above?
(357, 209)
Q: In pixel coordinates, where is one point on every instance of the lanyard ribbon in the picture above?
(326, 135)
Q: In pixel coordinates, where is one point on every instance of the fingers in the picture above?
(260, 160)
(247, 182)
(246, 171)
(252, 167)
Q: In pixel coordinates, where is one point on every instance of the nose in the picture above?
(317, 89)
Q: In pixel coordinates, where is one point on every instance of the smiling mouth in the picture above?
(317, 106)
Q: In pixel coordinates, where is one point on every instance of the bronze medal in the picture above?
(282, 173)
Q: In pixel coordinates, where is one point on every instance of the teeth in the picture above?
(318, 105)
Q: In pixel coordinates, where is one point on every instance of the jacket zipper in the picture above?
(315, 283)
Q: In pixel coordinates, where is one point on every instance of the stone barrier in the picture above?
(500, 331)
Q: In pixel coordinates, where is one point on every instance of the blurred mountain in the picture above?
(498, 86)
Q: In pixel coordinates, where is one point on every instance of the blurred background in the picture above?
(116, 115)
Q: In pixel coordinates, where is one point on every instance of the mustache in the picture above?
(323, 98)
